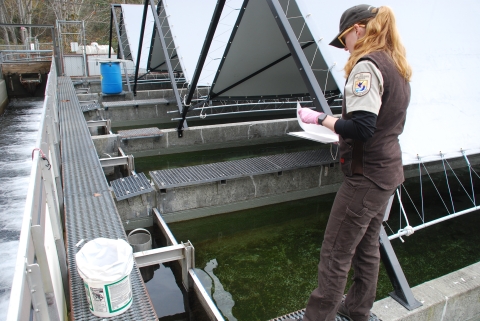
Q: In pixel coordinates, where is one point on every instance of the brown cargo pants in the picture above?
(351, 236)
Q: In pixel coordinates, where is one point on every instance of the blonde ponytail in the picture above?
(381, 35)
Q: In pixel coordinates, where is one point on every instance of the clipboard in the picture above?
(314, 132)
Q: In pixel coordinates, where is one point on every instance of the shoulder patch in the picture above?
(361, 83)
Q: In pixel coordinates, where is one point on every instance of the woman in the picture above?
(376, 97)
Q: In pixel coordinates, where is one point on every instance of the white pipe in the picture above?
(416, 228)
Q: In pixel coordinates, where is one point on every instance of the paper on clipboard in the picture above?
(314, 132)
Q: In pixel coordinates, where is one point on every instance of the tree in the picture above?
(95, 14)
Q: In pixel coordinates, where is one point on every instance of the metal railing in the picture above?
(40, 286)
(25, 55)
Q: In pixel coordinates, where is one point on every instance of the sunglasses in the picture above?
(343, 34)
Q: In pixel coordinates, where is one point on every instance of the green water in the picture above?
(267, 257)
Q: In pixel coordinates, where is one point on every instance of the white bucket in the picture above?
(105, 266)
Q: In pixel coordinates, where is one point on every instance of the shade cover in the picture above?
(439, 37)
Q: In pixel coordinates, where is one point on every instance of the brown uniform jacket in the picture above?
(380, 158)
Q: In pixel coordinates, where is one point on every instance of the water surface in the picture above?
(267, 257)
(18, 133)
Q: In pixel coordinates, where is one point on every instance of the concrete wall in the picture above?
(213, 137)
(137, 211)
(455, 296)
(141, 115)
(106, 145)
(184, 203)
(3, 96)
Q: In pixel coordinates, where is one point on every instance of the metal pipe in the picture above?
(84, 50)
(203, 54)
(26, 24)
(27, 51)
(140, 44)
(439, 220)
(110, 38)
(56, 54)
(167, 60)
(60, 50)
(127, 78)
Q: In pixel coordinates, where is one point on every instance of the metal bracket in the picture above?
(187, 264)
(184, 253)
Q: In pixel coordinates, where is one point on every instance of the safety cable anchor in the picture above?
(42, 156)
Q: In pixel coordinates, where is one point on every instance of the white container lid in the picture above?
(105, 260)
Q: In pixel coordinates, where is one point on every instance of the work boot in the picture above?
(343, 311)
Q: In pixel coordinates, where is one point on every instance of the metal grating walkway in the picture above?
(296, 314)
(129, 103)
(90, 210)
(131, 186)
(301, 313)
(200, 174)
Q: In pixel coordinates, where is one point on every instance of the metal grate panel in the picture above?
(89, 105)
(140, 132)
(131, 186)
(129, 103)
(90, 210)
(207, 173)
(301, 313)
(296, 314)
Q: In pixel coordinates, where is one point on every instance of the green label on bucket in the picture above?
(119, 294)
(89, 298)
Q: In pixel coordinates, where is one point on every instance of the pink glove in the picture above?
(309, 116)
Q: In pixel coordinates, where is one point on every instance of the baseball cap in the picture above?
(350, 17)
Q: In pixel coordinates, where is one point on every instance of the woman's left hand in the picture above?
(309, 116)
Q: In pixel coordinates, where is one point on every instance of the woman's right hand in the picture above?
(309, 116)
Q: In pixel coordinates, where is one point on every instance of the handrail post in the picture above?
(38, 237)
(188, 263)
(39, 301)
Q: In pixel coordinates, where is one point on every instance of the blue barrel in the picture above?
(111, 77)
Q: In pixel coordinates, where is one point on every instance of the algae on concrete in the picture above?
(267, 257)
